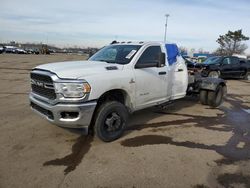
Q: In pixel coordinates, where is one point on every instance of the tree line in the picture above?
(230, 43)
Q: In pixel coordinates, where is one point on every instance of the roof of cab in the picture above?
(136, 43)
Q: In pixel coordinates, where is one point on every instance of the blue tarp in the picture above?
(173, 52)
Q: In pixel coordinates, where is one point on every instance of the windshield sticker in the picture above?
(130, 54)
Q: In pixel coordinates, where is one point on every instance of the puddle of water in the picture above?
(230, 151)
(71, 161)
(234, 119)
(229, 180)
(247, 110)
(158, 139)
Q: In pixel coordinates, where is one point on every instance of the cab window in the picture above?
(150, 55)
(234, 60)
(226, 61)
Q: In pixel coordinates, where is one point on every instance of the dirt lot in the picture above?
(186, 145)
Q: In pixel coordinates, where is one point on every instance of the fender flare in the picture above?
(209, 83)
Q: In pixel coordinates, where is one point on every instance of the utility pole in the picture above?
(166, 25)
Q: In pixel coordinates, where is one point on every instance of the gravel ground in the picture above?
(185, 145)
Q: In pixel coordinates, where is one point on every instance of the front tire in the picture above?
(247, 76)
(110, 122)
(214, 74)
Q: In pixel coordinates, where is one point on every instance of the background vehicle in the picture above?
(32, 51)
(226, 67)
(192, 67)
(20, 51)
(9, 49)
(117, 80)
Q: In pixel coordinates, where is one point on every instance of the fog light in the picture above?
(69, 115)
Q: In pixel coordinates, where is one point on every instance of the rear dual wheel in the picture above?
(203, 97)
(212, 98)
(215, 98)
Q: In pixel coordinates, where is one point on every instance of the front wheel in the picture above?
(110, 121)
(214, 74)
(247, 76)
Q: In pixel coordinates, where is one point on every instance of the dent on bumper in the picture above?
(82, 120)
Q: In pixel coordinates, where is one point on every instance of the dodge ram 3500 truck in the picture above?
(117, 80)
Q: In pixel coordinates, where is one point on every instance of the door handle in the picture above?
(180, 70)
(162, 73)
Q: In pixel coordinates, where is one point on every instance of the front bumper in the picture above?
(75, 115)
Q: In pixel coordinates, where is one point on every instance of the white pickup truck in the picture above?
(119, 79)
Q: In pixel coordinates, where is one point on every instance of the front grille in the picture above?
(43, 111)
(41, 77)
(42, 85)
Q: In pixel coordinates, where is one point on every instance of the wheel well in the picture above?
(215, 70)
(112, 95)
(211, 84)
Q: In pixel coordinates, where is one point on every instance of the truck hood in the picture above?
(79, 69)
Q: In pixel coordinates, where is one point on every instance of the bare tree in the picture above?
(231, 43)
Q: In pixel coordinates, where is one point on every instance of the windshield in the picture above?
(120, 54)
(212, 60)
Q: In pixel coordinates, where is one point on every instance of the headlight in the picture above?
(72, 90)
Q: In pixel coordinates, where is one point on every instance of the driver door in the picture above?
(226, 67)
(151, 80)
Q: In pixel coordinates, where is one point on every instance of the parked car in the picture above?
(32, 51)
(226, 67)
(192, 67)
(20, 51)
(9, 49)
(1, 50)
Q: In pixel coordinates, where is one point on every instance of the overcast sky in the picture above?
(192, 23)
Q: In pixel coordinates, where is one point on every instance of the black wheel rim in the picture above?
(113, 123)
(214, 74)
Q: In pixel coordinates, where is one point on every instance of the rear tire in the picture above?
(203, 97)
(214, 74)
(110, 121)
(215, 98)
